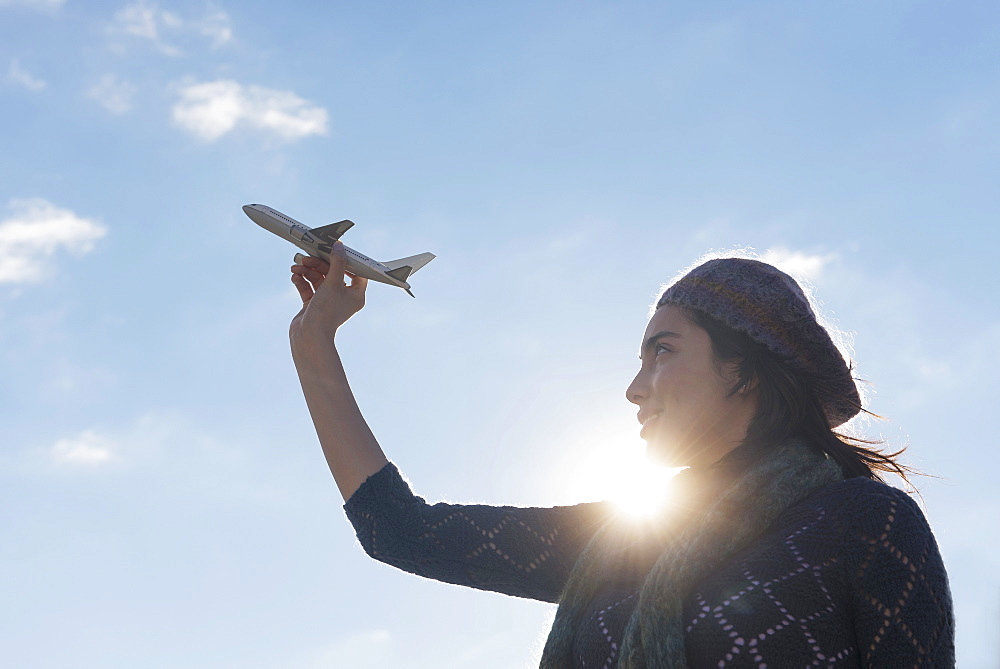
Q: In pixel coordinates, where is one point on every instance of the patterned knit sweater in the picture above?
(849, 577)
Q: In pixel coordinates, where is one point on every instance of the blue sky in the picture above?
(163, 500)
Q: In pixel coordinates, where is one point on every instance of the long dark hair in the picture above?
(789, 406)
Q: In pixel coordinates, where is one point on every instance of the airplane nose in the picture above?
(260, 215)
(255, 215)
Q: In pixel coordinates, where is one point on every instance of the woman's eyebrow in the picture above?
(651, 342)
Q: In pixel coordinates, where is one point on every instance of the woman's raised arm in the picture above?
(351, 450)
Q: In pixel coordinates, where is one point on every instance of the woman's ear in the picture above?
(750, 386)
(741, 384)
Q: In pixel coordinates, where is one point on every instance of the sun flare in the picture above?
(622, 474)
(643, 490)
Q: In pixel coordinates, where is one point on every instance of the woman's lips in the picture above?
(646, 422)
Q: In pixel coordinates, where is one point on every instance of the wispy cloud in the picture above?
(21, 77)
(798, 263)
(145, 20)
(212, 109)
(87, 448)
(113, 94)
(141, 442)
(38, 228)
(215, 26)
(44, 5)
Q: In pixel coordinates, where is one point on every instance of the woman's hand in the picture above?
(327, 300)
(350, 448)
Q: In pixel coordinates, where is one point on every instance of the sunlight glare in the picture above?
(644, 488)
(622, 474)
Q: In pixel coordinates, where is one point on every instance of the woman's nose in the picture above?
(636, 390)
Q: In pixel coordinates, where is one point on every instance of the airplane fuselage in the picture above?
(301, 235)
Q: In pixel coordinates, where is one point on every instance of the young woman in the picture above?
(787, 550)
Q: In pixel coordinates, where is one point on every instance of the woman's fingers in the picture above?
(324, 287)
(305, 289)
(312, 269)
(318, 264)
(338, 261)
(358, 284)
(308, 275)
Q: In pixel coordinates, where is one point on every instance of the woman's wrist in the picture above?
(311, 345)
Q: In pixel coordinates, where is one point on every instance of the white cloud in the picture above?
(21, 77)
(142, 442)
(145, 20)
(87, 448)
(215, 26)
(113, 94)
(38, 228)
(45, 5)
(797, 263)
(212, 109)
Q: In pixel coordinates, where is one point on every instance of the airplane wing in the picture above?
(331, 233)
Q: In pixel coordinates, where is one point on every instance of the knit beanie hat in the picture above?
(763, 302)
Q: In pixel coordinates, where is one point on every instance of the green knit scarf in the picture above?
(685, 553)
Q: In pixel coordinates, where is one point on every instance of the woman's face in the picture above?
(682, 390)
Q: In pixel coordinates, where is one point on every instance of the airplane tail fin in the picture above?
(404, 267)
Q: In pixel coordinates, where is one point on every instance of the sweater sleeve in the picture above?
(524, 552)
(902, 602)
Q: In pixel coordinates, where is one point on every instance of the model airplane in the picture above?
(318, 242)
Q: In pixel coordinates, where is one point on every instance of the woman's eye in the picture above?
(660, 348)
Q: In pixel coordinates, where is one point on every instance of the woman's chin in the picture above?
(675, 453)
(663, 455)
